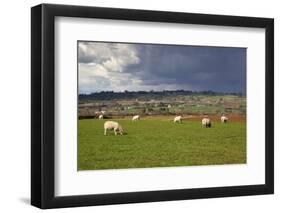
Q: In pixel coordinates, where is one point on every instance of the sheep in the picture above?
(112, 125)
(100, 117)
(206, 122)
(224, 119)
(135, 118)
(178, 119)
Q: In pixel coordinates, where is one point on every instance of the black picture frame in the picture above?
(43, 102)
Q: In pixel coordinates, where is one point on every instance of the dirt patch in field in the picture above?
(215, 118)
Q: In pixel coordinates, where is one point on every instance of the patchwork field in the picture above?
(171, 104)
(158, 142)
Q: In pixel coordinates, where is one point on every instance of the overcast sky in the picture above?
(134, 67)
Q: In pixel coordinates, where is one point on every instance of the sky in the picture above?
(105, 66)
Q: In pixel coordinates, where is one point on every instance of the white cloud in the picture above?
(101, 66)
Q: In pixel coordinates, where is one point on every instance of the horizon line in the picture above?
(179, 90)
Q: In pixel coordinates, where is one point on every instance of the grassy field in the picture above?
(157, 142)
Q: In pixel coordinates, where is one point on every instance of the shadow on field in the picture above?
(117, 135)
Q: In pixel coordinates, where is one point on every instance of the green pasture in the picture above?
(159, 143)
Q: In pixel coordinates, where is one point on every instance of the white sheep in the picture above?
(135, 118)
(178, 119)
(112, 125)
(100, 117)
(224, 119)
(206, 122)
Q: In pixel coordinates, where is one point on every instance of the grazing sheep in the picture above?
(206, 122)
(100, 117)
(224, 119)
(112, 125)
(178, 119)
(135, 118)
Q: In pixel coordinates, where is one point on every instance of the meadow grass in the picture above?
(160, 143)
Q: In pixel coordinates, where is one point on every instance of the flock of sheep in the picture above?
(117, 128)
(206, 122)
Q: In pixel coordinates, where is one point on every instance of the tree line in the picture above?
(111, 95)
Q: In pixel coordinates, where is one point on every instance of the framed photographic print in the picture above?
(139, 106)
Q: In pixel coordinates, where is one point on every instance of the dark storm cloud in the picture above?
(120, 66)
(200, 68)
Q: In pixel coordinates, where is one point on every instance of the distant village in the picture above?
(179, 102)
